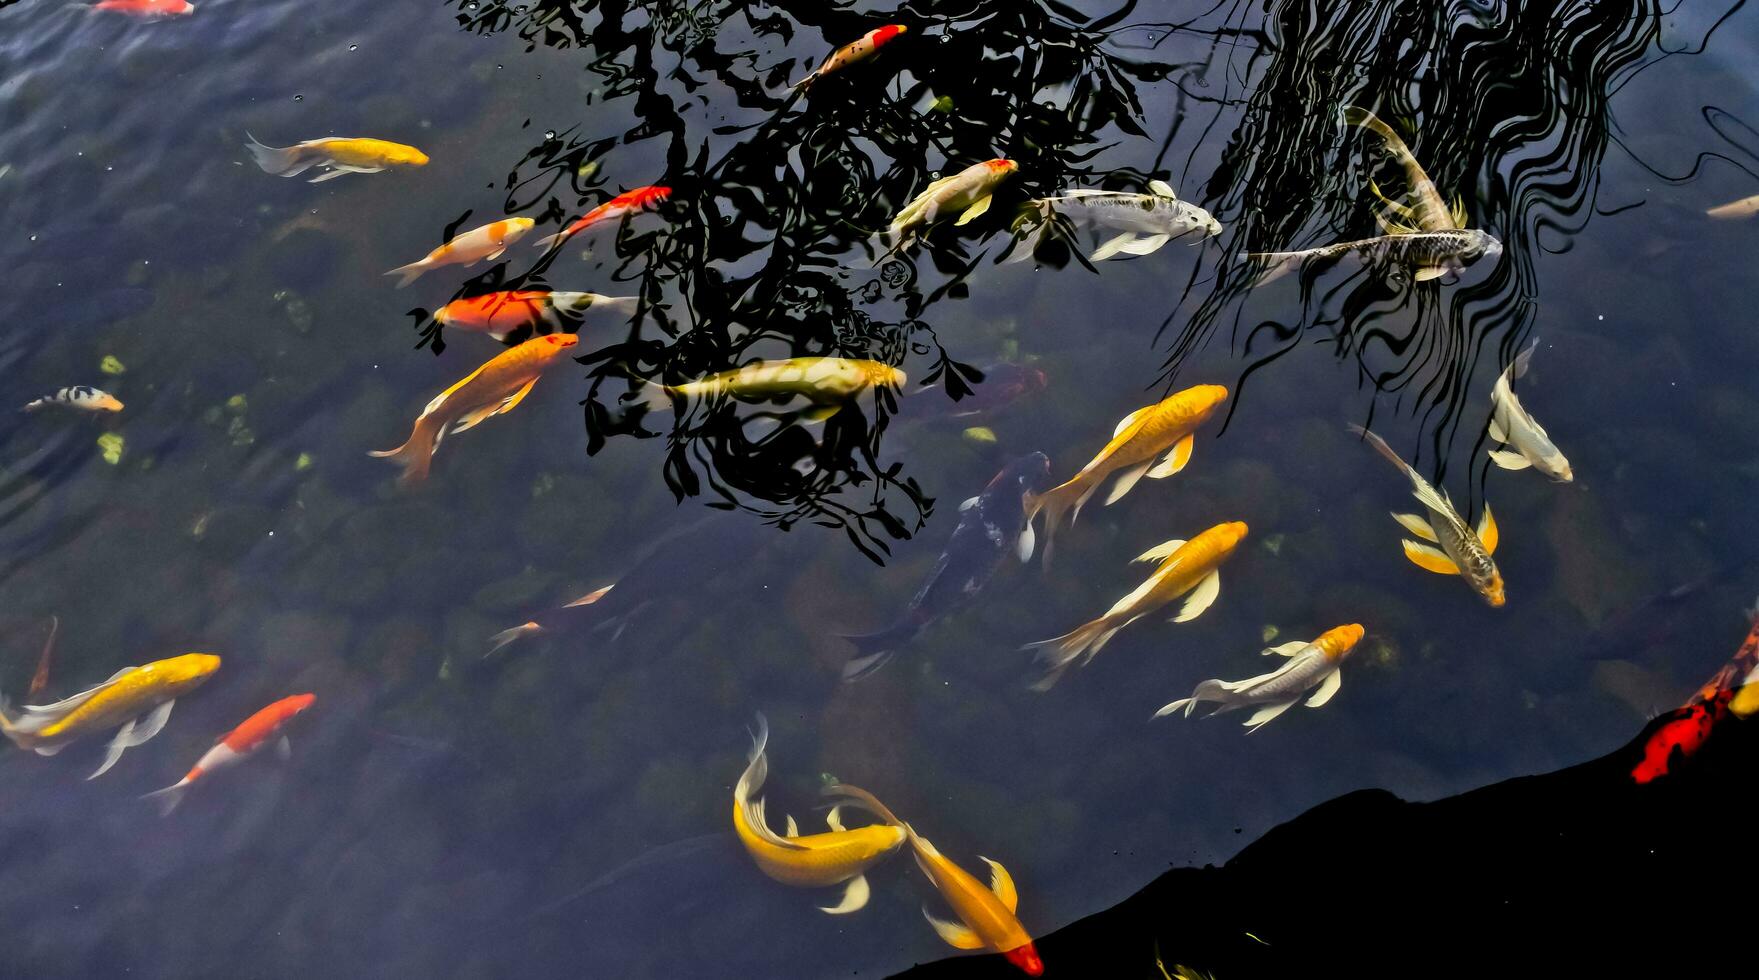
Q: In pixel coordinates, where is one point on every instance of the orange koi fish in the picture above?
(493, 389)
(1165, 430)
(138, 699)
(986, 915)
(503, 313)
(629, 202)
(475, 245)
(1732, 690)
(238, 744)
(147, 8)
(1185, 567)
(40, 679)
(860, 49)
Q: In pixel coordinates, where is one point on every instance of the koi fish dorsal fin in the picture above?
(1161, 551)
(1429, 559)
(1288, 649)
(1002, 883)
(1162, 189)
(1487, 531)
(955, 934)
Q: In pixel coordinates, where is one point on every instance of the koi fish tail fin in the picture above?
(1276, 265)
(1061, 653)
(865, 800)
(167, 799)
(282, 161)
(1357, 116)
(1025, 248)
(1382, 448)
(1054, 503)
(805, 83)
(1210, 690)
(415, 456)
(875, 650)
(410, 272)
(506, 638)
(552, 241)
(7, 728)
(653, 397)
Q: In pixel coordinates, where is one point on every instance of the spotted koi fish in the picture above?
(82, 397)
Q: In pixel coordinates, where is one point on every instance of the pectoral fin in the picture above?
(1002, 883)
(1487, 532)
(1508, 459)
(113, 751)
(1126, 481)
(956, 934)
(284, 748)
(1327, 688)
(854, 898)
(1429, 272)
(1146, 245)
(969, 503)
(1027, 542)
(1416, 524)
(1162, 189)
(1288, 649)
(1175, 459)
(975, 211)
(1429, 559)
(1497, 431)
(1265, 714)
(1112, 246)
(1161, 551)
(793, 828)
(151, 725)
(834, 819)
(1201, 598)
(472, 419)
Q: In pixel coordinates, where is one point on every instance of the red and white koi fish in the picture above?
(239, 744)
(1732, 690)
(147, 9)
(860, 49)
(629, 202)
(503, 313)
(475, 245)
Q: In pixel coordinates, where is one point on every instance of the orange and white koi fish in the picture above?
(1454, 547)
(987, 917)
(1185, 567)
(967, 192)
(502, 313)
(340, 155)
(810, 860)
(139, 699)
(475, 245)
(1746, 207)
(1164, 430)
(629, 202)
(493, 389)
(1316, 663)
(239, 744)
(82, 397)
(860, 49)
(147, 8)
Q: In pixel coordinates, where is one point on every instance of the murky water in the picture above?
(562, 808)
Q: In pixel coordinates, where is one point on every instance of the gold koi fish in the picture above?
(138, 699)
(826, 382)
(968, 192)
(339, 155)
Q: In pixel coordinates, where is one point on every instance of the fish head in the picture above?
(1028, 473)
(1492, 590)
(297, 703)
(883, 375)
(106, 402)
(1026, 958)
(187, 671)
(517, 227)
(1340, 640)
(888, 32)
(1203, 400)
(1229, 535)
(1482, 245)
(1000, 168)
(407, 156)
(555, 343)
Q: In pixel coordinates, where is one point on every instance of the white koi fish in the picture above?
(1512, 426)
(967, 192)
(82, 397)
(1145, 222)
(475, 245)
(1310, 664)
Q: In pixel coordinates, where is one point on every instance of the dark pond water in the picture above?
(563, 808)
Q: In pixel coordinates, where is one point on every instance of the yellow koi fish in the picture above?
(827, 382)
(139, 699)
(1455, 548)
(1163, 430)
(493, 389)
(1185, 567)
(1312, 664)
(339, 155)
(967, 192)
(986, 915)
(1427, 212)
(475, 245)
(810, 860)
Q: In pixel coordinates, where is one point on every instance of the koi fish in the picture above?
(338, 155)
(83, 397)
(968, 192)
(1146, 221)
(1310, 663)
(858, 50)
(1511, 425)
(1430, 253)
(1454, 548)
(493, 389)
(139, 699)
(475, 245)
(236, 746)
(992, 525)
(502, 313)
(827, 382)
(987, 917)
(810, 860)
(147, 8)
(629, 202)
(1185, 567)
(1165, 430)
(1428, 212)
(1746, 207)
(1732, 690)
(40, 679)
